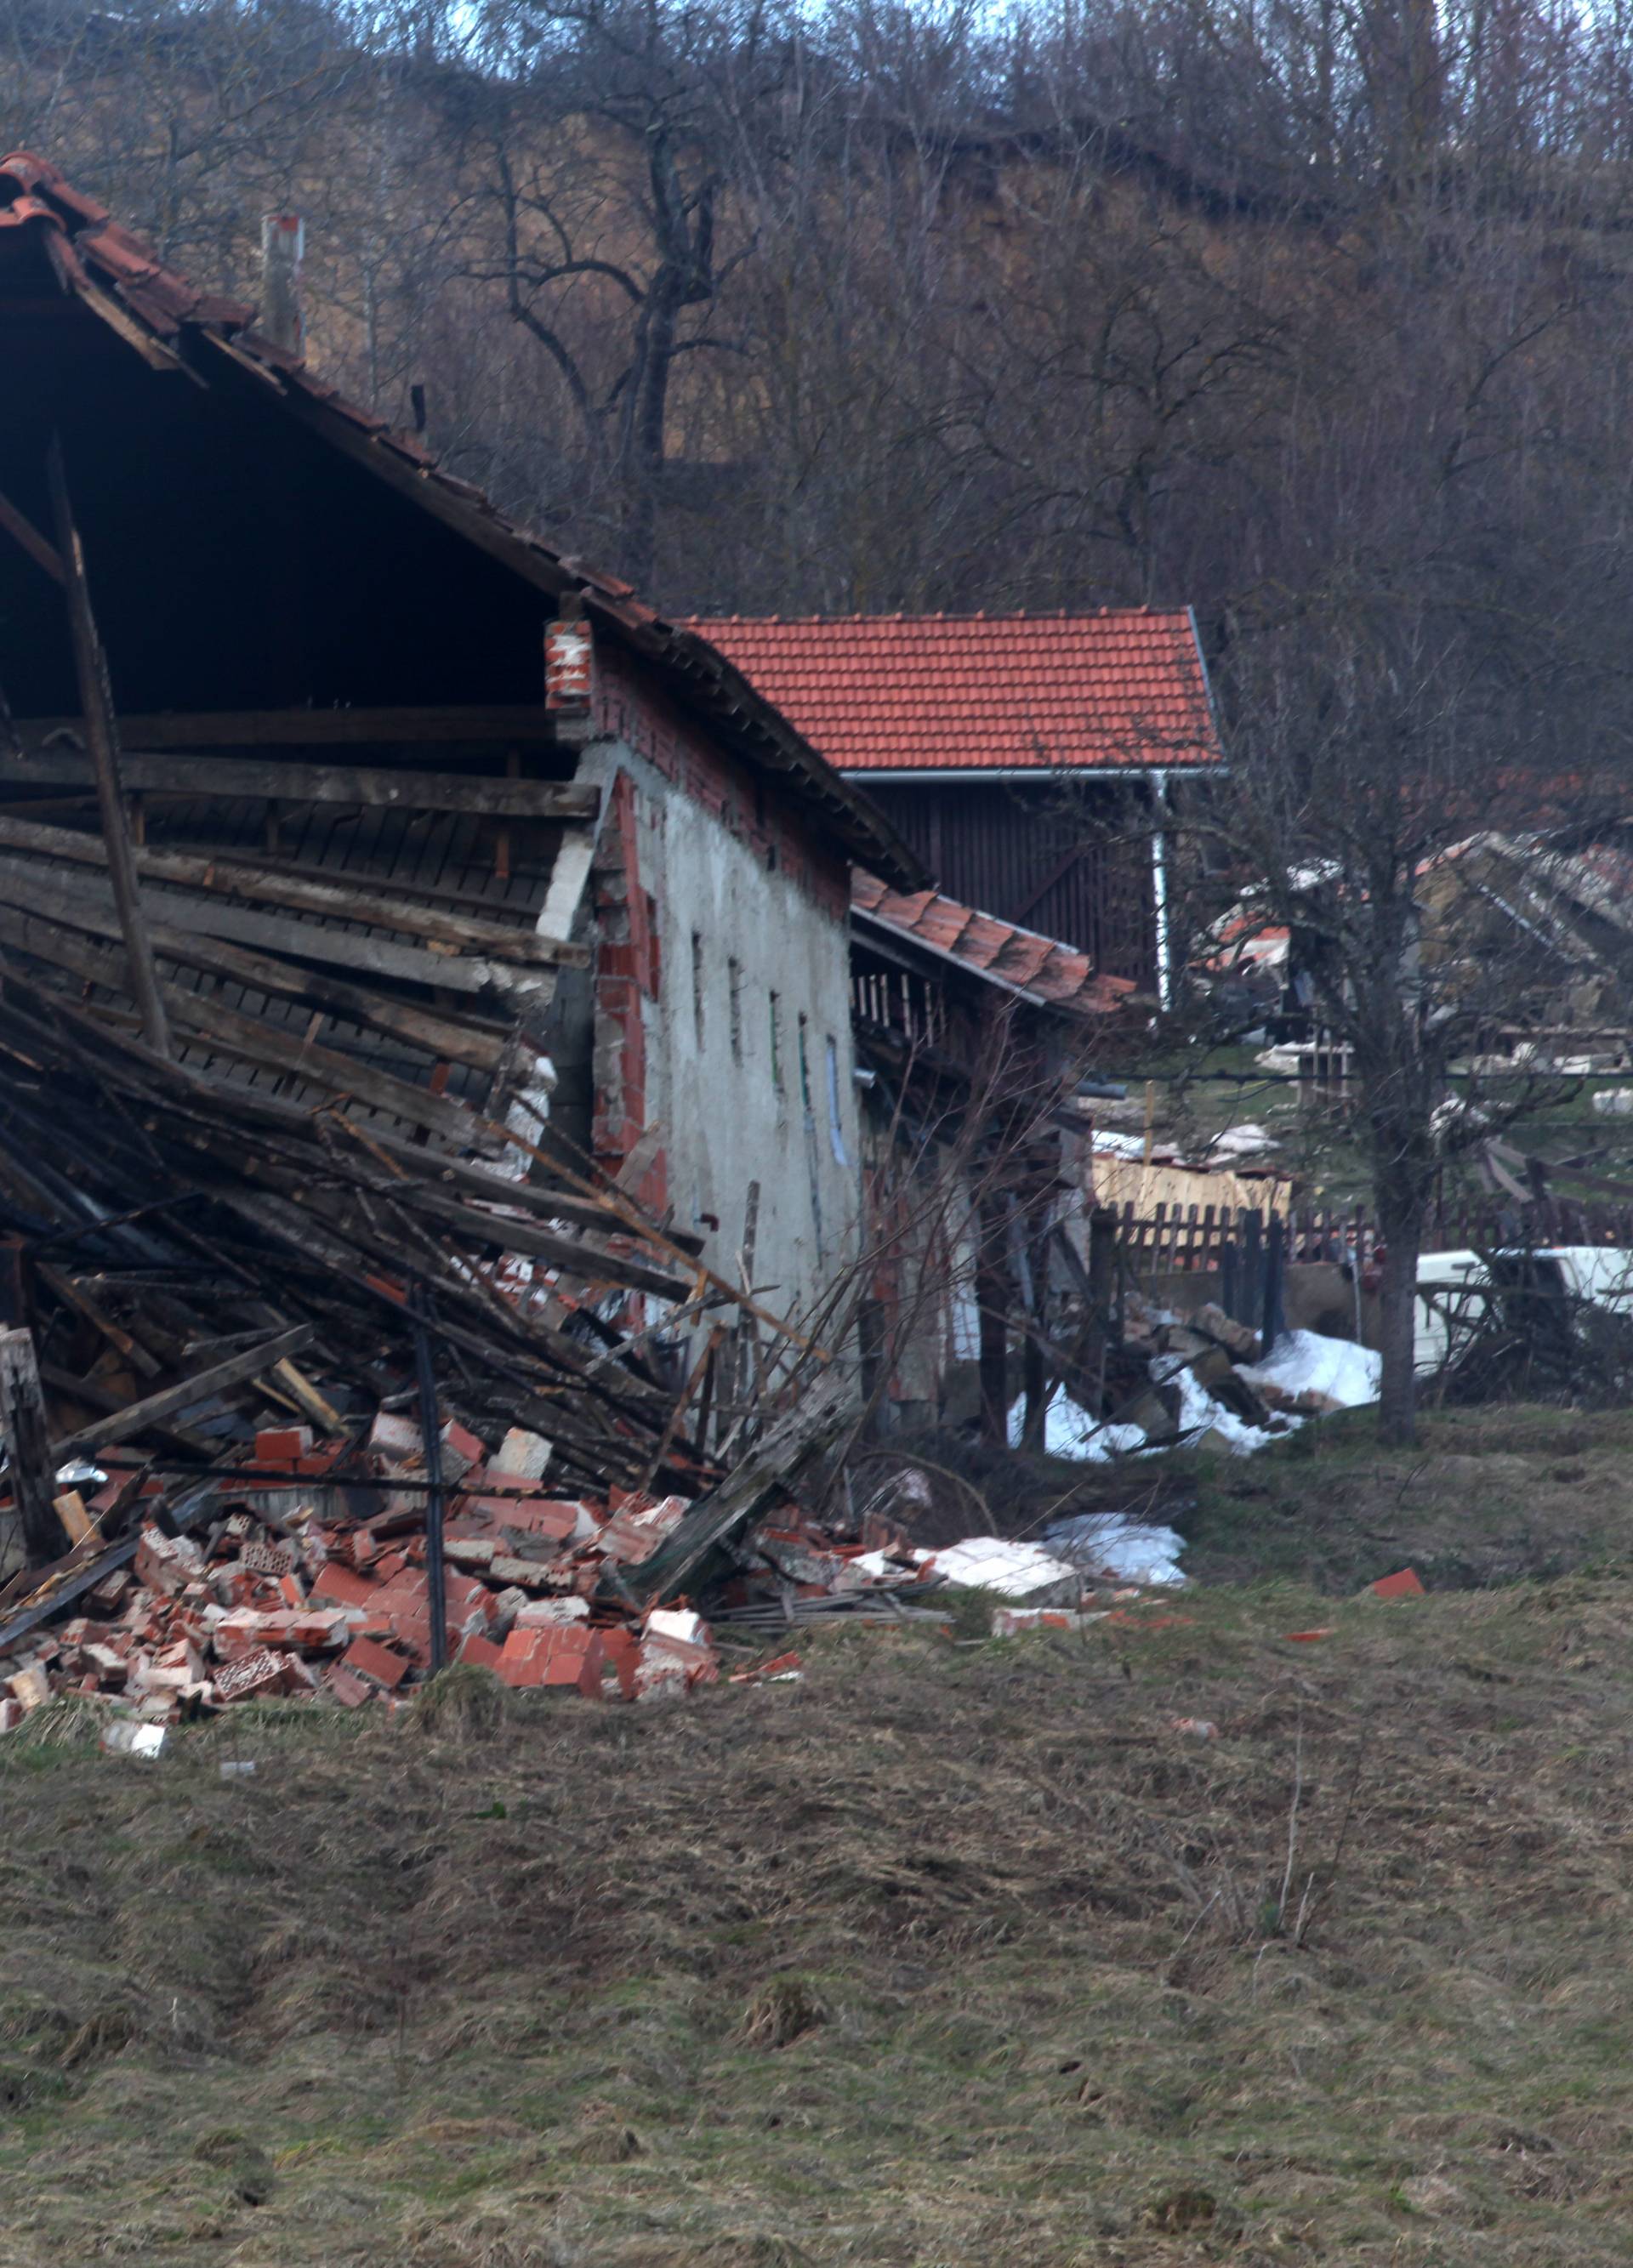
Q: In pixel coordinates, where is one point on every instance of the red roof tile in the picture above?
(979, 692)
(1054, 975)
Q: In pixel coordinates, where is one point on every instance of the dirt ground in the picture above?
(956, 1951)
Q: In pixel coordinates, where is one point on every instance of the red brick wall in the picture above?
(749, 803)
(626, 970)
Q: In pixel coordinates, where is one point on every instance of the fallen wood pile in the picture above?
(295, 1405)
(162, 1217)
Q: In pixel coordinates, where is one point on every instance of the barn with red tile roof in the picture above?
(1023, 757)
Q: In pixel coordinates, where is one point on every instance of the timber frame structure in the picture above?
(353, 701)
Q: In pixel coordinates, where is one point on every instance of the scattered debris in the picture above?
(1406, 1583)
(1023, 1572)
(1009, 1622)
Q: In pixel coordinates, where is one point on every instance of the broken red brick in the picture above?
(277, 1445)
(1403, 1585)
(568, 1656)
(257, 1673)
(272, 1560)
(780, 1665)
(480, 1652)
(542, 1518)
(377, 1665)
(339, 1586)
(622, 1652)
(460, 1451)
(110, 1594)
(168, 1563)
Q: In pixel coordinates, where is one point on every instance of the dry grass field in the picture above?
(956, 1951)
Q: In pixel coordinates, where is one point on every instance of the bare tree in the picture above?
(601, 144)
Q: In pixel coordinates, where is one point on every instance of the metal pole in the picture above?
(430, 1435)
(96, 702)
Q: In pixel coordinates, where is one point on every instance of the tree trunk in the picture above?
(1397, 1410)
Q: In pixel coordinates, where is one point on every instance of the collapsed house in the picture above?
(431, 1017)
(427, 816)
(1554, 907)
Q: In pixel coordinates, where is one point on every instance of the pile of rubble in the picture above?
(1205, 1382)
(311, 1602)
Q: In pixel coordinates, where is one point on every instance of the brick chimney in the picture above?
(569, 660)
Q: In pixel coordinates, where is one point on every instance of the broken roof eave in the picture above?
(699, 674)
(901, 945)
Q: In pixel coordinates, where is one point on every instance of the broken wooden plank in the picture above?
(296, 728)
(23, 533)
(276, 885)
(75, 1294)
(438, 1036)
(248, 1038)
(76, 1522)
(748, 1493)
(103, 760)
(33, 1463)
(283, 781)
(322, 1413)
(94, 1395)
(589, 1263)
(137, 1416)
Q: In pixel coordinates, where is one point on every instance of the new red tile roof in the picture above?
(173, 325)
(888, 692)
(1050, 974)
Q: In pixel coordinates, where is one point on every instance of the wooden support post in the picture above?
(430, 1436)
(1102, 1290)
(1275, 1262)
(27, 1446)
(13, 1284)
(735, 1419)
(102, 741)
(992, 1298)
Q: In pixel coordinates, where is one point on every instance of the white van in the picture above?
(1451, 1287)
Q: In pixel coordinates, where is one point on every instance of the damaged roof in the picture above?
(52, 235)
(885, 694)
(1018, 960)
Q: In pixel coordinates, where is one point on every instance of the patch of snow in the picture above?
(1110, 1545)
(1120, 1145)
(1242, 1141)
(1070, 1431)
(1305, 1361)
(1200, 1413)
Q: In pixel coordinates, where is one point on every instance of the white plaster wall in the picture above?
(726, 1121)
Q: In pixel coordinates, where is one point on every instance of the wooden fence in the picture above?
(1181, 1238)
